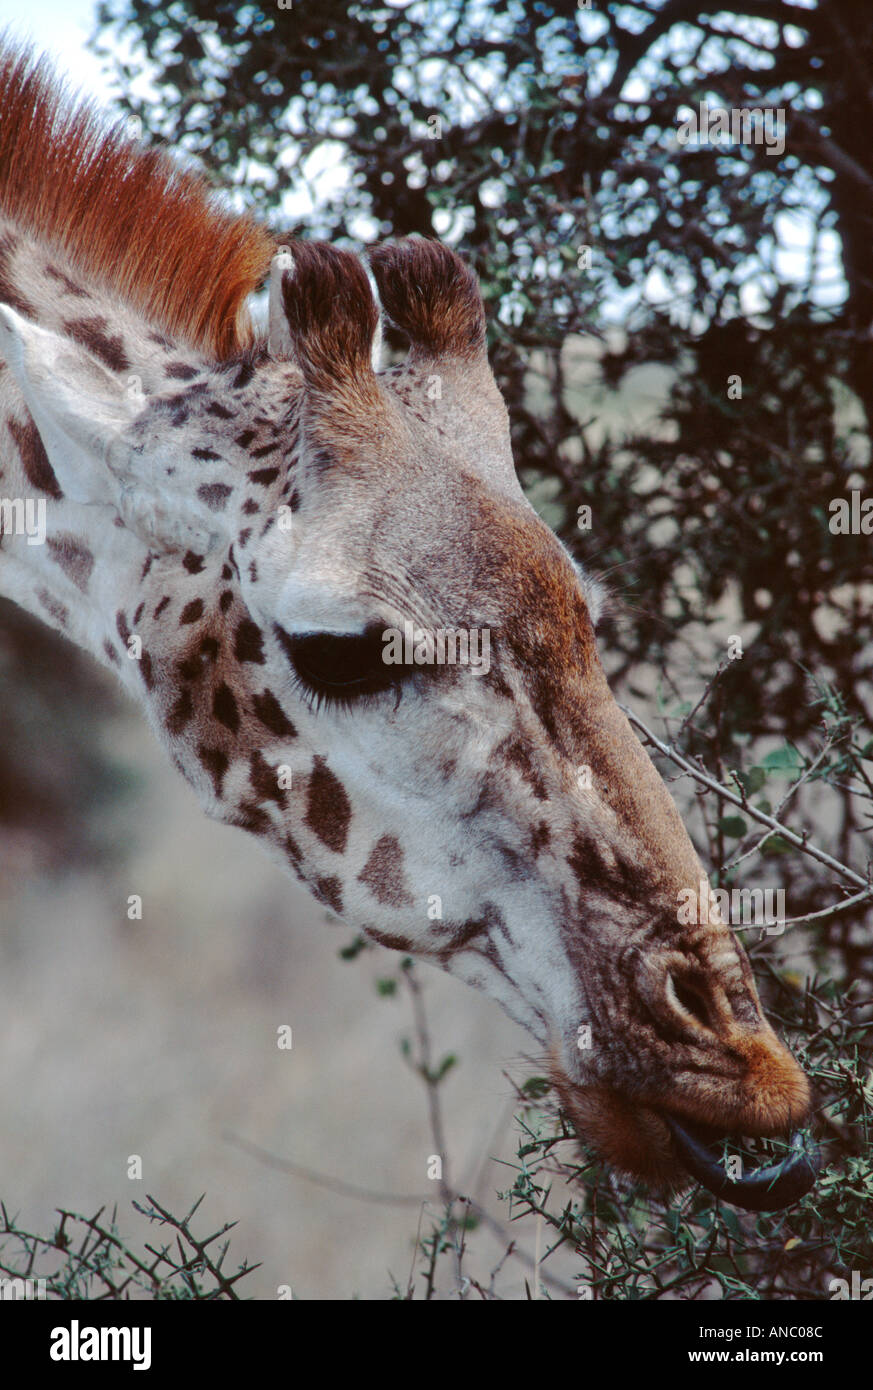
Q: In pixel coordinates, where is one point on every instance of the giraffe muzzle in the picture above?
(771, 1187)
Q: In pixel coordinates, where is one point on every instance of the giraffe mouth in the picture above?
(770, 1187)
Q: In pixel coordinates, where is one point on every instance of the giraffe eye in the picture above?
(341, 666)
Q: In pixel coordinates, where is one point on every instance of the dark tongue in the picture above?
(770, 1188)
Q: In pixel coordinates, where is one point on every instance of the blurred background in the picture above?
(628, 274)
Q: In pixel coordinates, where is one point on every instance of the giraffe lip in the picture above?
(771, 1187)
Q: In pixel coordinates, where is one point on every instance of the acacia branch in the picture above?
(800, 842)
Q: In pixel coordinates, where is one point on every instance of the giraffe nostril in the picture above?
(690, 999)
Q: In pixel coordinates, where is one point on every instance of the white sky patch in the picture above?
(60, 27)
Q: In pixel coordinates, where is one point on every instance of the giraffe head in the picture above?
(362, 644)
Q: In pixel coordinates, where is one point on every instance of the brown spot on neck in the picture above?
(34, 459)
(383, 873)
(328, 809)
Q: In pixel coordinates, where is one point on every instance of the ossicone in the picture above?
(432, 296)
(330, 314)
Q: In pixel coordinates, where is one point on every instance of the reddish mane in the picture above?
(127, 217)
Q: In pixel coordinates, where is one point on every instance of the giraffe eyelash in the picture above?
(336, 654)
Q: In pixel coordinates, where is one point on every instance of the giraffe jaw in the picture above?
(664, 1150)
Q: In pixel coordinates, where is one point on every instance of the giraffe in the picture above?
(234, 522)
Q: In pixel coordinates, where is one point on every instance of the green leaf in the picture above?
(386, 987)
(355, 948)
(785, 760)
(777, 844)
(445, 1066)
(734, 826)
(753, 780)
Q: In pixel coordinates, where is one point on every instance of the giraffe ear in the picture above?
(433, 297)
(79, 407)
(330, 316)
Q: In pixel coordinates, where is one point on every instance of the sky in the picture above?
(60, 27)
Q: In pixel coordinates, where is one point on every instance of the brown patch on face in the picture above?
(180, 714)
(462, 934)
(329, 892)
(75, 559)
(249, 642)
(272, 716)
(328, 809)
(263, 476)
(53, 607)
(69, 286)
(389, 941)
(263, 778)
(383, 873)
(244, 375)
(517, 755)
(251, 818)
(214, 495)
(540, 839)
(215, 761)
(224, 707)
(192, 612)
(598, 868)
(34, 459)
(145, 670)
(93, 334)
